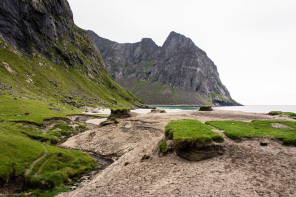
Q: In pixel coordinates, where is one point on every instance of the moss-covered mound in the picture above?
(281, 130)
(187, 133)
(285, 114)
(120, 113)
(206, 108)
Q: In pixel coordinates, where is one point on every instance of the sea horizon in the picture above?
(244, 108)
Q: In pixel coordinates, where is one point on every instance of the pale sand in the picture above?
(147, 111)
(96, 121)
(245, 169)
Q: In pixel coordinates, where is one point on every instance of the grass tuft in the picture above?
(258, 128)
(162, 147)
(187, 133)
(280, 113)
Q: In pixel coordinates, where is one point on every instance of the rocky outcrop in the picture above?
(55, 55)
(176, 73)
(47, 28)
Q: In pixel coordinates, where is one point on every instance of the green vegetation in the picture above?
(258, 128)
(40, 78)
(23, 140)
(162, 147)
(219, 96)
(158, 111)
(58, 166)
(36, 110)
(49, 85)
(148, 65)
(81, 127)
(173, 93)
(19, 151)
(280, 113)
(139, 85)
(205, 108)
(186, 133)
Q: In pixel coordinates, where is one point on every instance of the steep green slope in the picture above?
(49, 68)
(40, 78)
(44, 55)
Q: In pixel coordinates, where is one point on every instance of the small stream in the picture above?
(103, 163)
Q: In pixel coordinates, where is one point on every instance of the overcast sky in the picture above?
(252, 42)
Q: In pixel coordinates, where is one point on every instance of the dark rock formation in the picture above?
(43, 27)
(42, 33)
(176, 73)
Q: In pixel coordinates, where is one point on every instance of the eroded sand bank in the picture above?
(245, 169)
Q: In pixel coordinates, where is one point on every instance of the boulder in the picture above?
(206, 108)
(120, 113)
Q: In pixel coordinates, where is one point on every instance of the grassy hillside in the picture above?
(39, 78)
(29, 161)
(158, 93)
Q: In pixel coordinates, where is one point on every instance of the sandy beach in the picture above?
(245, 168)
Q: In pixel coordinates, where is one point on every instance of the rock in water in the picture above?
(176, 73)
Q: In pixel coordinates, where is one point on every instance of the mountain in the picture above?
(45, 56)
(176, 73)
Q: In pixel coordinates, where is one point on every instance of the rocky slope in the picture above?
(176, 73)
(44, 55)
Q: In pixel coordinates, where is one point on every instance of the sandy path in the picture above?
(245, 169)
(36, 161)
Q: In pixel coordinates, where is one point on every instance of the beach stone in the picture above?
(158, 111)
(145, 157)
(55, 109)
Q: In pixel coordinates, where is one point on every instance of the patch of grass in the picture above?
(162, 147)
(187, 132)
(221, 97)
(58, 166)
(257, 128)
(37, 110)
(60, 129)
(17, 150)
(81, 128)
(280, 113)
(48, 193)
(139, 85)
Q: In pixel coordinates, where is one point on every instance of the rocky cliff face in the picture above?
(176, 73)
(56, 55)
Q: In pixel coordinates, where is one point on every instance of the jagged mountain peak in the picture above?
(148, 41)
(176, 73)
(176, 39)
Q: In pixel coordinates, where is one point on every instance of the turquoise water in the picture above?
(247, 108)
(177, 107)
